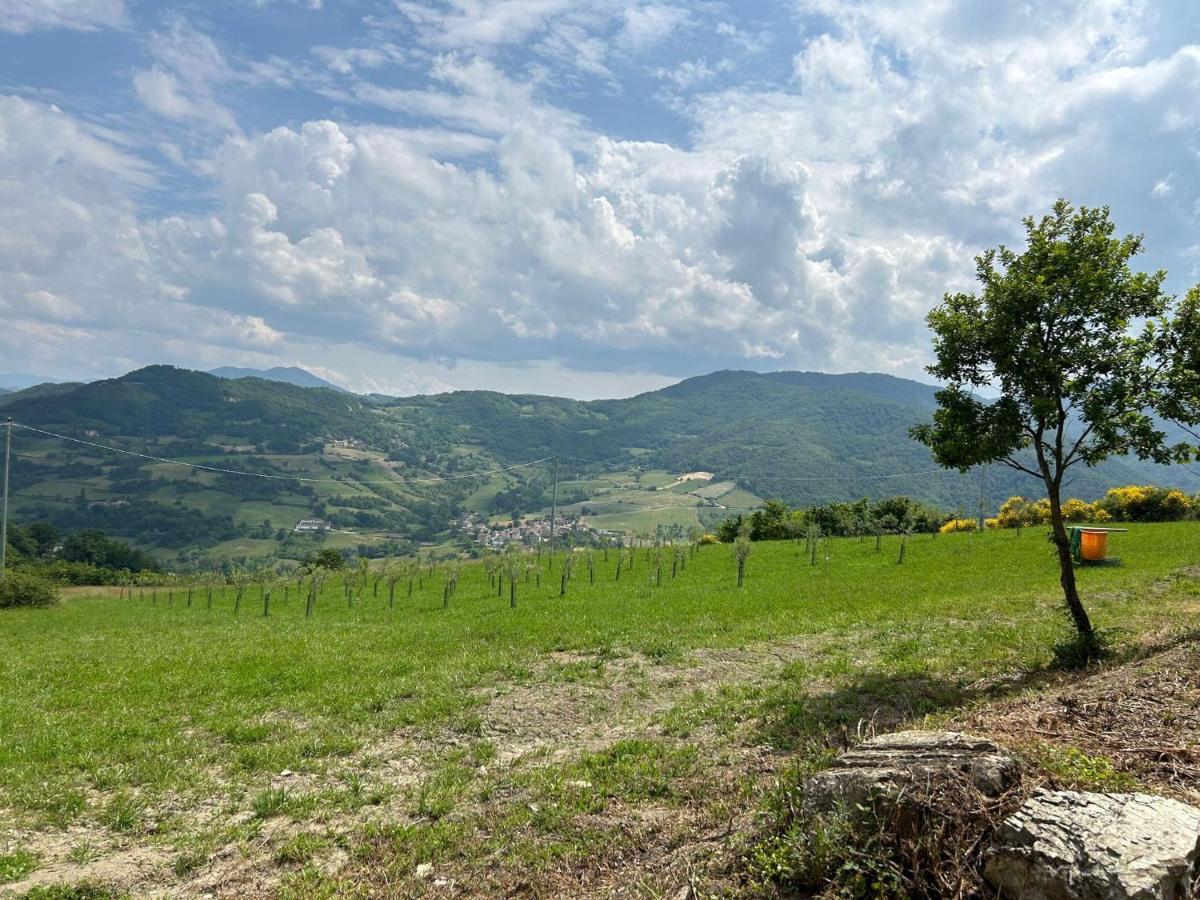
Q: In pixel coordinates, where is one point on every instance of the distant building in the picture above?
(311, 525)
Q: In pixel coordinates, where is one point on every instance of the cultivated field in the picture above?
(621, 735)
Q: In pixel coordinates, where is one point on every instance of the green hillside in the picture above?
(369, 466)
(803, 437)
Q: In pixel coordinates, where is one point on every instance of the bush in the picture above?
(956, 525)
(1015, 512)
(1146, 503)
(22, 589)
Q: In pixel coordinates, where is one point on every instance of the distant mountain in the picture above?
(46, 389)
(16, 381)
(804, 437)
(286, 374)
(371, 465)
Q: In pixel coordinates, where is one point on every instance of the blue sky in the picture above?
(582, 198)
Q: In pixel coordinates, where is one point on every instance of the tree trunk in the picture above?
(1066, 566)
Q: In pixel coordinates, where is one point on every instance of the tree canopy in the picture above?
(1086, 354)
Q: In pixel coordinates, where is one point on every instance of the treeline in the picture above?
(778, 521)
(899, 515)
(82, 557)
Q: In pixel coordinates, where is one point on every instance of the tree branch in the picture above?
(1013, 464)
(1070, 458)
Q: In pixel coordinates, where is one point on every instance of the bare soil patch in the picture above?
(1144, 716)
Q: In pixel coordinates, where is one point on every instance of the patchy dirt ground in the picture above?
(1143, 716)
(572, 704)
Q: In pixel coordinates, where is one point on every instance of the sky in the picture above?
(587, 198)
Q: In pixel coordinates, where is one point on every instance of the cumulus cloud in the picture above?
(80, 269)
(470, 212)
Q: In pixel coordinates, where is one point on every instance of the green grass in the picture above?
(120, 708)
(16, 865)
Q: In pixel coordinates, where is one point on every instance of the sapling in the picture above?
(741, 552)
(513, 564)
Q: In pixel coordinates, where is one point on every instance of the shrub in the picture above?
(23, 589)
(955, 525)
(1079, 511)
(1012, 513)
(707, 539)
(1038, 513)
(1015, 512)
(1146, 503)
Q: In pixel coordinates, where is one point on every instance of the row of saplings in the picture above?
(504, 571)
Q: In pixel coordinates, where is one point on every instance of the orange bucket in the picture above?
(1093, 545)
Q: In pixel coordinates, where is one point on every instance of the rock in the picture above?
(884, 769)
(1068, 845)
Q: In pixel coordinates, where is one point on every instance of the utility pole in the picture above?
(4, 517)
(553, 508)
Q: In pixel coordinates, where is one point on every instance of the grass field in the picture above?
(617, 501)
(172, 748)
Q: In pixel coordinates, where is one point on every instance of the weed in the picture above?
(188, 861)
(16, 865)
(300, 849)
(269, 802)
(82, 890)
(123, 812)
(1071, 768)
(83, 852)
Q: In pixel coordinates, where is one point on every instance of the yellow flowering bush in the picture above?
(1016, 511)
(1012, 513)
(1147, 503)
(958, 525)
(1080, 511)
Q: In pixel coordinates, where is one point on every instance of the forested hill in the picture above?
(285, 374)
(165, 402)
(364, 464)
(801, 436)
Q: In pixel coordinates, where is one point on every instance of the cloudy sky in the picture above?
(580, 197)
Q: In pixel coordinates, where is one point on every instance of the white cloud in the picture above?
(345, 60)
(182, 84)
(21, 16)
(474, 214)
(649, 25)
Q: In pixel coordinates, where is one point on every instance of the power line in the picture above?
(931, 471)
(345, 481)
(852, 477)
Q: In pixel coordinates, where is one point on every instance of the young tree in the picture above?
(513, 564)
(741, 553)
(393, 572)
(1081, 350)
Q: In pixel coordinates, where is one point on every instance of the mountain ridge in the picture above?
(283, 374)
(372, 463)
